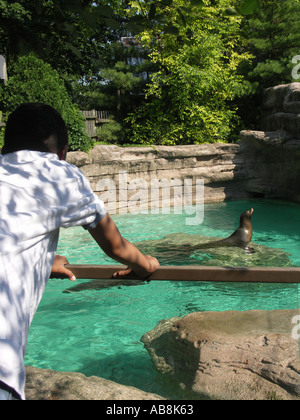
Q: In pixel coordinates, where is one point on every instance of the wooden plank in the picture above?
(198, 273)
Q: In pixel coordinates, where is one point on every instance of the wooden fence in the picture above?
(94, 119)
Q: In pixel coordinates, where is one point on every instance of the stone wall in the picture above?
(136, 169)
(261, 165)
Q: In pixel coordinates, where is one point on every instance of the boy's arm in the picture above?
(108, 237)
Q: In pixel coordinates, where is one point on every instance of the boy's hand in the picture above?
(129, 273)
(59, 270)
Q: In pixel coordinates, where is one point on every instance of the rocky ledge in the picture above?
(250, 355)
(42, 384)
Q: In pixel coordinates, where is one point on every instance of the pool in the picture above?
(97, 331)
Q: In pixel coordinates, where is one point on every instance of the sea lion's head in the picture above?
(246, 217)
(248, 213)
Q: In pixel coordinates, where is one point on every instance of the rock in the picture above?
(260, 140)
(285, 122)
(282, 98)
(181, 246)
(78, 158)
(229, 355)
(281, 109)
(271, 165)
(44, 384)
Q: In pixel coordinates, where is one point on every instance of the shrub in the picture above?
(110, 132)
(33, 80)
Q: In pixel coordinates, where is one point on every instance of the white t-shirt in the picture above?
(38, 195)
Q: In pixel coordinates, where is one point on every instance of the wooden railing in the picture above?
(198, 273)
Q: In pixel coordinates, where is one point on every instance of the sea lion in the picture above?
(240, 238)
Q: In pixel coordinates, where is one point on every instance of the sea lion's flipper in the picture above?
(250, 250)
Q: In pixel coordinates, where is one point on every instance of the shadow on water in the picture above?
(103, 284)
(135, 370)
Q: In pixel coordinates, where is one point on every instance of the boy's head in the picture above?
(37, 127)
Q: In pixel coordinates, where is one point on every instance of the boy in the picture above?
(39, 193)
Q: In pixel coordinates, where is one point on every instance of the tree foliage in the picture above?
(189, 99)
(68, 34)
(32, 80)
(271, 35)
(273, 38)
(118, 84)
(200, 73)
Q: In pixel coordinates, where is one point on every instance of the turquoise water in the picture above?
(97, 332)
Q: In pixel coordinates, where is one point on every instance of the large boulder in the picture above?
(249, 355)
(282, 98)
(183, 247)
(281, 109)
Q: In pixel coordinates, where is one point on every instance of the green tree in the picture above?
(189, 99)
(125, 75)
(32, 80)
(118, 84)
(74, 37)
(68, 34)
(272, 37)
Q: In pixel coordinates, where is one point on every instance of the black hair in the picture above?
(37, 127)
